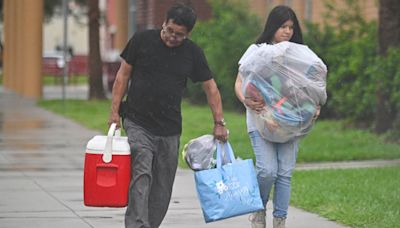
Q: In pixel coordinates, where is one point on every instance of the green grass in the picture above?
(331, 141)
(328, 141)
(356, 197)
(57, 80)
(92, 114)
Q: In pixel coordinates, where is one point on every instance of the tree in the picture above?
(224, 38)
(96, 89)
(388, 36)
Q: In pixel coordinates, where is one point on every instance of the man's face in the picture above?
(172, 34)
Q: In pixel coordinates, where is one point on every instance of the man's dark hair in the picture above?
(277, 17)
(182, 15)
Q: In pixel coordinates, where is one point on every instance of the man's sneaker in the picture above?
(257, 219)
(279, 222)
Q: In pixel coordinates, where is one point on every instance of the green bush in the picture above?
(385, 71)
(348, 48)
(224, 39)
(355, 68)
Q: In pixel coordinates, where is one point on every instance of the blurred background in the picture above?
(63, 55)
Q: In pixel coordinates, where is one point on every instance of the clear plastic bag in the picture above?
(291, 80)
(199, 152)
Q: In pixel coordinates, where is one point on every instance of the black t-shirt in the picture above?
(158, 79)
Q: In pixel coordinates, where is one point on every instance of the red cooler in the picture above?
(107, 170)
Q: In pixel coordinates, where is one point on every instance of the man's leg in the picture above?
(141, 143)
(164, 169)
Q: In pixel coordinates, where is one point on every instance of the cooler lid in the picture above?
(97, 145)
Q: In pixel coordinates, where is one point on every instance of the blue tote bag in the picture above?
(230, 189)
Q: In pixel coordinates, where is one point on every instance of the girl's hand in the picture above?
(317, 112)
(255, 105)
(271, 125)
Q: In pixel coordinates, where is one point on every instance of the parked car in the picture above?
(53, 63)
(79, 65)
(111, 69)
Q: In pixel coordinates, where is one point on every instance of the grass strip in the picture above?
(328, 141)
(356, 197)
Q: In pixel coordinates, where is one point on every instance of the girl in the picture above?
(274, 161)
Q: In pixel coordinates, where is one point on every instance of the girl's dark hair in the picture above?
(277, 17)
(182, 15)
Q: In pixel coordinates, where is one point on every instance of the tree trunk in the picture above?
(388, 36)
(96, 89)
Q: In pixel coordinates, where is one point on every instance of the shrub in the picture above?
(224, 39)
(355, 68)
(347, 48)
(386, 71)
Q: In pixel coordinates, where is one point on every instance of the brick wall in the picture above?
(316, 8)
(151, 13)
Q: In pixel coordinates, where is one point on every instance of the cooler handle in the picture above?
(107, 156)
(107, 166)
(118, 132)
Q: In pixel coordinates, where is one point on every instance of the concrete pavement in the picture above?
(41, 178)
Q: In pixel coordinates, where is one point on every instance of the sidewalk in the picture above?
(41, 174)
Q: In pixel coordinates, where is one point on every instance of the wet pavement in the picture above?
(41, 177)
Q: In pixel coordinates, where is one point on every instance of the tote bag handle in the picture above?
(228, 152)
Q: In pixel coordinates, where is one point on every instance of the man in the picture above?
(158, 64)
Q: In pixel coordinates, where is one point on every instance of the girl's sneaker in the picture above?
(279, 222)
(257, 219)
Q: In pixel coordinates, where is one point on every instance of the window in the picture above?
(308, 10)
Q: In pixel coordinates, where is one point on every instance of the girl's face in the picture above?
(284, 33)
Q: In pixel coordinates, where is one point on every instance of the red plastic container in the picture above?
(107, 171)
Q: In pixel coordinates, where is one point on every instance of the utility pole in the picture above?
(65, 49)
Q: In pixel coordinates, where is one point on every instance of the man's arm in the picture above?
(118, 91)
(215, 103)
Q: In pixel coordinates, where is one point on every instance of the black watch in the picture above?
(220, 122)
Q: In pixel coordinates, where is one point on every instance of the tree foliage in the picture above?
(224, 39)
(54, 7)
(388, 37)
(355, 68)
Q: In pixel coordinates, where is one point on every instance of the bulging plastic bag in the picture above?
(199, 152)
(291, 80)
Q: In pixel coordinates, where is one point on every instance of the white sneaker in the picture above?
(257, 219)
(279, 222)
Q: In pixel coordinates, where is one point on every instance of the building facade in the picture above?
(312, 10)
(151, 13)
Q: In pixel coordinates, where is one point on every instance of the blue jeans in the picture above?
(274, 165)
